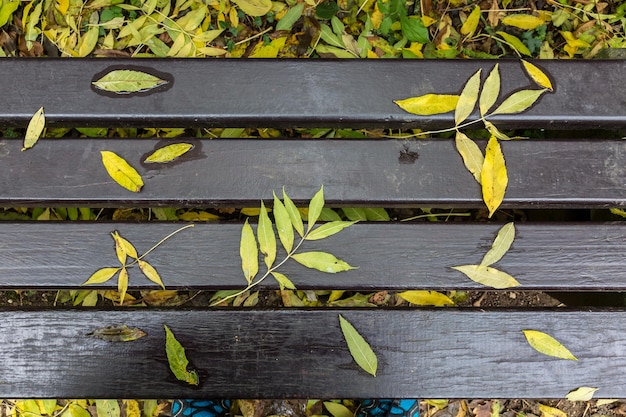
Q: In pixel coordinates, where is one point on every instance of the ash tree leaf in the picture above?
(168, 153)
(322, 261)
(470, 152)
(360, 350)
(121, 171)
(523, 21)
(328, 229)
(426, 298)
(249, 253)
(515, 43)
(294, 214)
(500, 246)
(150, 272)
(376, 214)
(118, 333)
(429, 104)
(128, 81)
(177, 359)
(538, 76)
(122, 284)
(495, 132)
(488, 276)
(254, 7)
(493, 176)
(283, 281)
(35, 127)
(315, 208)
(471, 23)
(548, 345)
(101, 275)
(518, 102)
(468, 99)
(581, 394)
(354, 214)
(123, 248)
(490, 92)
(267, 239)
(283, 224)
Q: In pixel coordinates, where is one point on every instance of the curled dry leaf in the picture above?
(548, 345)
(117, 333)
(34, 129)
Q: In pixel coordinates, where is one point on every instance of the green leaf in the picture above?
(337, 52)
(75, 410)
(168, 153)
(291, 17)
(107, 408)
(470, 152)
(515, 43)
(177, 359)
(329, 37)
(548, 345)
(376, 215)
(6, 11)
(315, 208)
(413, 29)
(47, 406)
(249, 253)
(121, 172)
(35, 128)
(500, 246)
(426, 298)
(322, 261)
(488, 276)
(493, 176)
(128, 81)
(581, 394)
(354, 214)
(283, 281)
(328, 229)
(518, 102)
(429, 104)
(360, 350)
(101, 275)
(490, 91)
(254, 7)
(338, 410)
(150, 272)
(294, 214)
(468, 99)
(283, 224)
(267, 239)
(116, 333)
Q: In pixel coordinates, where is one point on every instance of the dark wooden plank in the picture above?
(566, 257)
(301, 354)
(300, 93)
(232, 173)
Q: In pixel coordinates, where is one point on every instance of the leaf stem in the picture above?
(159, 243)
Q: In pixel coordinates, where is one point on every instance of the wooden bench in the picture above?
(301, 353)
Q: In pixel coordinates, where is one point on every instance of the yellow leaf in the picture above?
(254, 7)
(488, 276)
(581, 394)
(122, 284)
(537, 75)
(501, 245)
(429, 104)
(132, 408)
(101, 275)
(548, 345)
(515, 43)
(471, 23)
(471, 154)
(88, 42)
(468, 99)
(198, 216)
(124, 174)
(266, 237)
(551, 411)
(151, 273)
(270, 50)
(249, 253)
(573, 43)
(495, 132)
(518, 102)
(523, 21)
(169, 153)
(126, 246)
(490, 91)
(35, 129)
(426, 298)
(493, 176)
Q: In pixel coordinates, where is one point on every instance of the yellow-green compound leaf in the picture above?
(322, 261)
(493, 177)
(169, 153)
(515, 43)
(581, 394)
(151, 273)
(518, 102)
(429, 104)
(495, 132)
(471, 23)
(123, 174)
(328, 229)
(283, 224)
(501, 245)
(488, 276)
(548, 345)
(537, 75)
(122, 284)
(128, 81)
(294, 214)
(107, 408)
(249, 253)
(283, 281)
(118, 333)
(177, 359)
(123, 248)
(35, 127)
(490, 91)
(426, 298)
(267, 239)
(523, 21)
(315, 208)
(254, 7)
(470, 152)
(360, 350)
(468, 99)
(102, 275)
(338, 410)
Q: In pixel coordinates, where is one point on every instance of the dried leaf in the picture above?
(515, 43)
(254, 7)
(548, 345)
(551, 411)
(283, 281)
(490, 91)
(322, 261)
(169, 153)
(429, 104)
(122, 284)
(294, 214)
(315, 208)
(471, 154)
(468, 99)
(328, 229)
(107, 408)
(267, 239)
(124, 174)
(488, 276)
(426, 298)
(249, 253)
(337, 409)
(538, 76)
(493, 176)
(471, 23)
(500, 246)
(35, 127)
(150, 272)
(581, 394)
(118, 333)
(518, 102)
(101, 275)
(283, 224)
(128, 81)
(523, 21)
(360, 350)
(177, 359)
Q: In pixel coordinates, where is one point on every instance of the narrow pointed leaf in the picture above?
(322, 261)
(328, 229)
(283, 281)
(267, 239)
(151, 273)
(493, 176)
(101, 275)
(35, 128)
(338, 410)
(88, 41)
(538, 76)
(376, 214)
(124, 174)
(471, 23)
(488, 276)
(360, 350)
(177, 359)
(315, 208)
(128, 81)
(283, 224)
(120, 251)
(548, 345)
(523, 21)
(501, 245)
(470, 152)
(294, 214)
(426, 298)
(429, 104)
(249, 253)
(518, 102)
(496, 132)
(121, 333)
(468, 99)
(122, 284)
(581, 394)
(490, 92)
(547, 411)
(515, 43)
(169, 153)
